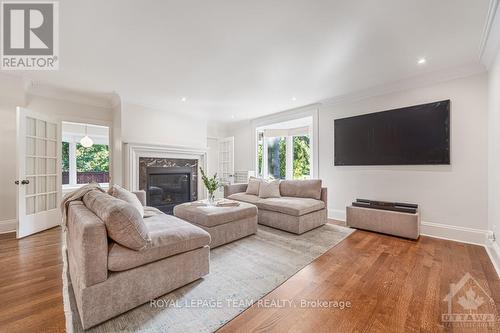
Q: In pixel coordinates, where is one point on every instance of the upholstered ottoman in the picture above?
(224, 224)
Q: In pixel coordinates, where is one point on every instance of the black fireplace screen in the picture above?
(168, 187)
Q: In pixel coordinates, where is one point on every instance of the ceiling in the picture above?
(235, 59)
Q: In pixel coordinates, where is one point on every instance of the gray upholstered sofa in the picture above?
(109, 279)
(301, 207)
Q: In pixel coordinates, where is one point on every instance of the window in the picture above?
(260, 153)
(276, 157)
(301, 157)
(284, 150)
(81, 165)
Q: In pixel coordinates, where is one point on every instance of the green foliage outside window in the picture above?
(301, 157)
(260, 152)
(95, 158)
(65, 157)
(282, 156)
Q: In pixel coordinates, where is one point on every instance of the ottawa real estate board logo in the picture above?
(30, 35)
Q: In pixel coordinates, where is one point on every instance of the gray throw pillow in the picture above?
(123, 222)
(269, 189)
(122, 194)
(253, 186)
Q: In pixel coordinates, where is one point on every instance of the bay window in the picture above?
(284, 153)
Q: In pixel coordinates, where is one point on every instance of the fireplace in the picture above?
(167, 187)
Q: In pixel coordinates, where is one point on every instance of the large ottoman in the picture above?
(224, 224)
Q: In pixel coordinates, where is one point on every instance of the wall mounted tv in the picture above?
(408, 136)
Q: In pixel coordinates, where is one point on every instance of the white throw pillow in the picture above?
(127, 196)
(253, 186)
(269, 189)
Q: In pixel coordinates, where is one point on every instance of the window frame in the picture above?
(73, 140)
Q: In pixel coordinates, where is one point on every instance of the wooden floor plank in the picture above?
(393, 284)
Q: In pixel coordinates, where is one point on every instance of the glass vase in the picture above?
(211, 199)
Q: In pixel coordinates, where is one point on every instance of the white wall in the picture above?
(11, 96)
(454, 195)
(244, 150)
(117, 163)
(162, 127)
(494, 150)
(70, 111)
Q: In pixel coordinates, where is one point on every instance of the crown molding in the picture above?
(490, 39)
(409, 83)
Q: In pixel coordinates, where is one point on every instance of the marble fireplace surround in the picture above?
(137, 155)
(161, 162)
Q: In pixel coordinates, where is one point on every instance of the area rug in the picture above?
(240, 273)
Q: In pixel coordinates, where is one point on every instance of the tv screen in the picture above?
(408, 136)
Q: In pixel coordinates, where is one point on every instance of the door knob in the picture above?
(25, 182)
(16, 182)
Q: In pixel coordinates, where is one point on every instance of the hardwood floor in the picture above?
(31, 283)
(394, 285)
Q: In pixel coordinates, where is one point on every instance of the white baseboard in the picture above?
(337, 214)
(7, 226)
(454, 233)
(437, 230)
(493, 251)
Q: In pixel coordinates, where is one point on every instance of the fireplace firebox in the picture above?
(167, 187)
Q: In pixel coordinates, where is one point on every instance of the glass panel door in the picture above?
(38, 177)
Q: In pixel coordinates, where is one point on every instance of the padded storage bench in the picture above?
(224, 224)
(400, 224)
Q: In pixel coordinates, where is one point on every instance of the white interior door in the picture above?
(38, 172)
(226, 159)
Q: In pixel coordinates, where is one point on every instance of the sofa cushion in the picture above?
(301, 188)
(127, 196)
(211, 216)
(250, 198)
(253, 186)
(291, 206)
(169, 236)
(123, 222)
(269, 189)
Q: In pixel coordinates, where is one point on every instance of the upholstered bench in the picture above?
(224, 224)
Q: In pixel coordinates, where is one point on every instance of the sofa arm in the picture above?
(87, 244)
(141, 195)
(234, 188)
(324, 196)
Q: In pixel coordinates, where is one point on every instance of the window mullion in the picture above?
(72, 163)
(289, 157)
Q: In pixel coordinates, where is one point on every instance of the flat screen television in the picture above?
(411, 135)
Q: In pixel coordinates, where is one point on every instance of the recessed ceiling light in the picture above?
(421, 61)
(232, 116)
(183, 99)
(294, 98)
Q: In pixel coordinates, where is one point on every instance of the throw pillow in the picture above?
(127, 196)
(269, 189)
(253, 186)
(123, 222)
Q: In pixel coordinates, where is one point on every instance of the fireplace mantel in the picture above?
(134, 151)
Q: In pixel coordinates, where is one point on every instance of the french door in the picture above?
(226, 159)
(38, 172)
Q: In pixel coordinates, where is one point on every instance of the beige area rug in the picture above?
(240, 273)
